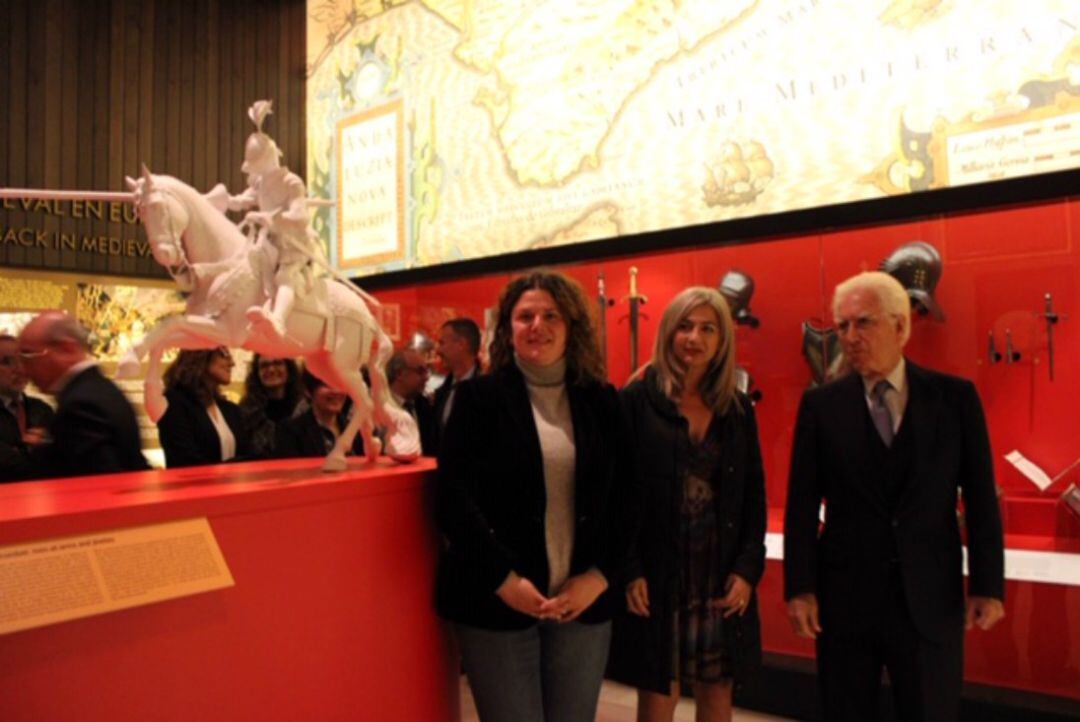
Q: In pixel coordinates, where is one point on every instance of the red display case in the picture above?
(997, 268)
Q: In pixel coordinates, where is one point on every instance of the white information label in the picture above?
(1014, 150)
(54, 580)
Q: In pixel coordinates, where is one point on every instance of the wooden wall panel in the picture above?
(92, 88)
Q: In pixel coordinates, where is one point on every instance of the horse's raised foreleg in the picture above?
(187, 332)
(131, 363)
(344, 376)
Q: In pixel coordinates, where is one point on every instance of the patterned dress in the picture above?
(700, 654)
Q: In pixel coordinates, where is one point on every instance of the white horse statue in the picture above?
(226, 273)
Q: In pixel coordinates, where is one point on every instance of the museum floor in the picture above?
(619, 704)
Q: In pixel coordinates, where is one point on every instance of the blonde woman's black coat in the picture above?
(642, 647)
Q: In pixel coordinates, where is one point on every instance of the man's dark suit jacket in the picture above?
(14, 454)
(188, 436)
(864, 532)
(94, 431)
(438, 401)
(428, 425)
(442, 394)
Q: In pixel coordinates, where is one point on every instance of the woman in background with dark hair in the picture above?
(528, 498)
(201, 426)
(314, 432)
(273, 394)
(700, 546)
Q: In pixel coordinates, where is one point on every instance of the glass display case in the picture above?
(1007, 295)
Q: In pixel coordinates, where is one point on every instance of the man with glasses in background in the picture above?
(407, 374)
(23, 419)
(458, 346)
(888, 449)
(94, 430)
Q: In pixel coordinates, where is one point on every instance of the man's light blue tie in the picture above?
(879, 411)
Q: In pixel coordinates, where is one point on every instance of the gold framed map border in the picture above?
(396, 107)
(938, 146)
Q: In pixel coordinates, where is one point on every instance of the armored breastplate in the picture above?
(273, 191)
(821, 348)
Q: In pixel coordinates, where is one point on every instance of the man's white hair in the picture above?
(887, 290)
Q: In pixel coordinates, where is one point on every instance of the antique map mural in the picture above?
(458, 129)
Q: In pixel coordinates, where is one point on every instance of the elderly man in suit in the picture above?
(887, 449)
(94, 430)
(23, 419)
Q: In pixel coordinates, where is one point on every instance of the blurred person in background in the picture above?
(24, 420)
(201, 426)
(273, 394)
(314, 432)
(94, 430)
(458, 348)
(407, 372)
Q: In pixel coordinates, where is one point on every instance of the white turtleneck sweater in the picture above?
(555, 427)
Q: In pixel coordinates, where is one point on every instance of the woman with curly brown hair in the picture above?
(273, 394)
(528, 498)
(201, 426)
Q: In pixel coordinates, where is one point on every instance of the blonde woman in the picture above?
(699, 549)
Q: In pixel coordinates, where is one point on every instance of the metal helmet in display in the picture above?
(737, 288)
(421, 342)
(917, 266)
(744, 383)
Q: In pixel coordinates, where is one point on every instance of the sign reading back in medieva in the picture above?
(74, 235)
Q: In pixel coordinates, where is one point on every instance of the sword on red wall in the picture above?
(602, 302)
(636, 301)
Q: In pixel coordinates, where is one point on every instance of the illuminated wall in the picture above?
(457, 130)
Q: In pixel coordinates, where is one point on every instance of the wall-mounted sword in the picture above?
(636, 301)
(1051, 319)
(602, 301)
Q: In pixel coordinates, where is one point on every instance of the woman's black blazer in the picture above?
(189, 438)
(491, 499)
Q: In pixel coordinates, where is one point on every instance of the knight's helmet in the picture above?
(261, 153)
(421, 342)
(737, 288)
(917, 266)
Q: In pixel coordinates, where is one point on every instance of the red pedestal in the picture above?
(331, 617)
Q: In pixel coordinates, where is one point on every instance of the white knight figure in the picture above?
(270, 291)
(281, 221)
